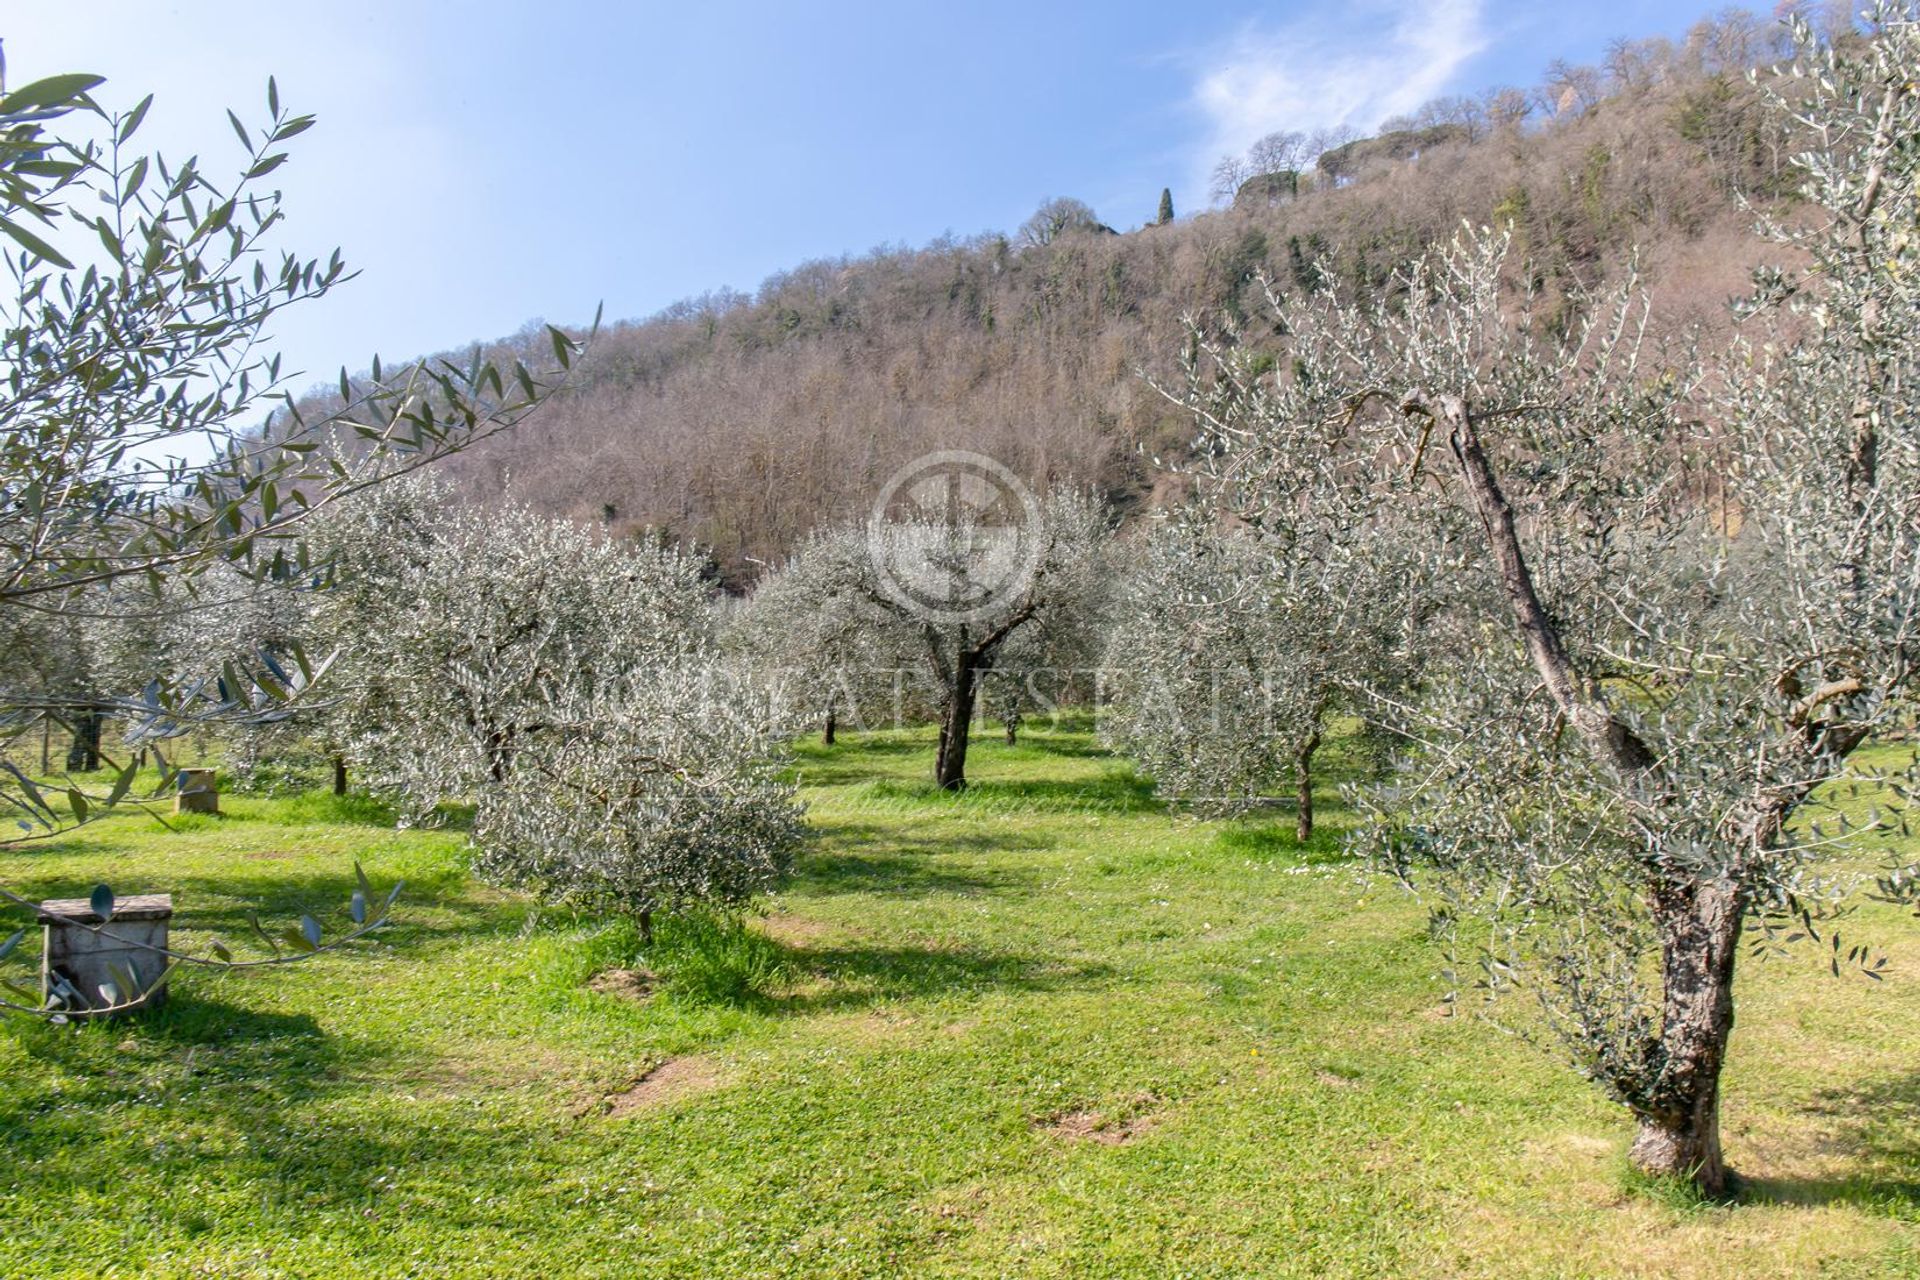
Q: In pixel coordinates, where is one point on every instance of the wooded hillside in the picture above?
(738, 423)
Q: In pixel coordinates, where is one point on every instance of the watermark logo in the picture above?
(955, 537)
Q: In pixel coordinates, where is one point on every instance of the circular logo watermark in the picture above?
(955, 537)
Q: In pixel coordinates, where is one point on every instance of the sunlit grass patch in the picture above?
(933, 1057)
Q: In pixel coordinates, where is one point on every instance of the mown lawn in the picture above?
(1044, 1029)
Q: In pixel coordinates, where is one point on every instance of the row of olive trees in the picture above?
(1665, 595)
(1216, 659)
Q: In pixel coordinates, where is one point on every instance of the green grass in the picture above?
(1039, 1029)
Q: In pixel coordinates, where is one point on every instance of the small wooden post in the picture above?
(198, 793)
(78, 958)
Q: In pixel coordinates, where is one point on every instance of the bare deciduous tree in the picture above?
(1059, 216)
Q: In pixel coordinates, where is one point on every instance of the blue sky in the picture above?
(488, 163)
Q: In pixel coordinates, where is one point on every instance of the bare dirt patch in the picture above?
(482, 1066)
(1109, 1130)
(672, 1080)
(629, 984)
(797, 930)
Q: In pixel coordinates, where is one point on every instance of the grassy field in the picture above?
(1042, 1029)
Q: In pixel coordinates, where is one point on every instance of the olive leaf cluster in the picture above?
(827, 665)
(661, 791)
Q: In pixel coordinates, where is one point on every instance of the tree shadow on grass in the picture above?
(854, 976)
(871, 858)
(1065, 720)
(1068, 741)
(827, 772)
(191, 1044)
(1273, 839)
(1879, 1127)
(871, 873)
(1117, 791)
(316, 808)
(355, 809)
(154, 1099)
(433, 909)
(855, 743)
(858, 758)
(257, 1044)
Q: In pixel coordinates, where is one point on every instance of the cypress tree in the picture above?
(1166, 207)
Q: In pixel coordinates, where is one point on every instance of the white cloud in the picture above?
(1355, 65)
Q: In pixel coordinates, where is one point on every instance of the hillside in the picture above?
(740, 422)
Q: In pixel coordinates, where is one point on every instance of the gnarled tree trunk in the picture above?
(1698, 918)
(339, 775)
(827, 730)
(950, 765)
(1699, 924)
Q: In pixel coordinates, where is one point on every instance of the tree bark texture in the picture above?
(950, 765)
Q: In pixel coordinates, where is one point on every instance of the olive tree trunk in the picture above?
(950, 765)
(1303, 770)
(1676, 1095)
(339, 775)
(84, 755)
(1699, 924)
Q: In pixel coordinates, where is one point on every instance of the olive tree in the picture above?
(133, 357)
(827, 667)
(1231, 651)
(473, 620)
(233, 619)
(1708, 586)
(568, 683)
(854, 572)
(658, 791)
(1676, 605)
(1053, 660)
